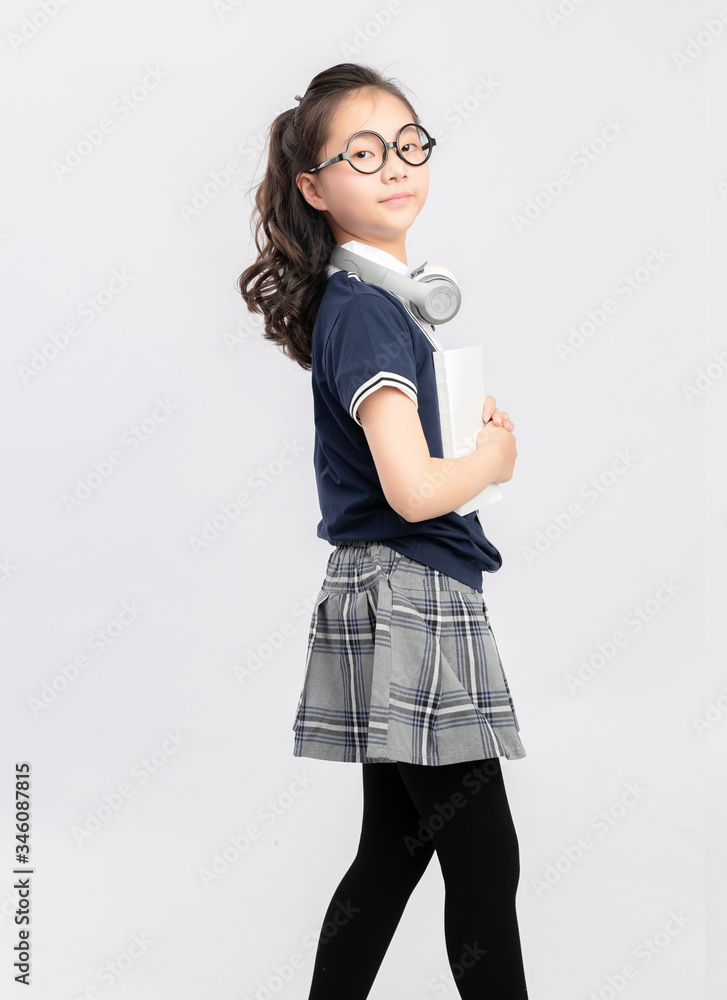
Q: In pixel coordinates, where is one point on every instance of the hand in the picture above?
(490, 412)
(501, 443)
(492, 435)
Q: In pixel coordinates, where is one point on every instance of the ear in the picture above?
(309, 189)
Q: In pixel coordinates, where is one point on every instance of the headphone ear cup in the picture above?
(446, 301)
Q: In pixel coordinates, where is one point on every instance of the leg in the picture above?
(367, 905)
(466, 810)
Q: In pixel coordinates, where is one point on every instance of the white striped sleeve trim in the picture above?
(374, 383)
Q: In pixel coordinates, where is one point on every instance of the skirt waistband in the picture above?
(357, 564)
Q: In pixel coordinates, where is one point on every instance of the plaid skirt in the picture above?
(401, 665)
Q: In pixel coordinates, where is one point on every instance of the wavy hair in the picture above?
(287, 280)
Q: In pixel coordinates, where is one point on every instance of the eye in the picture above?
(366, 146)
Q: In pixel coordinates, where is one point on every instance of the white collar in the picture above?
(393, 263)
(376, 254)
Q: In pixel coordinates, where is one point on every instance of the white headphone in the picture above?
(432, 291)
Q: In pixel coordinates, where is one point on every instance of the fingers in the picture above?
(488, 409)
(498, 417)
(502, 420)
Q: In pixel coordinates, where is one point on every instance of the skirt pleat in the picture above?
(401, 665)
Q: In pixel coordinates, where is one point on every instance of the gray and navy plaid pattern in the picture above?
(402, 665)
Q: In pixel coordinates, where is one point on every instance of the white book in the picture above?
(461, 393)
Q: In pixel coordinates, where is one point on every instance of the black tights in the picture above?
(409, 812)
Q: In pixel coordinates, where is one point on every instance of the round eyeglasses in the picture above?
(367, 152)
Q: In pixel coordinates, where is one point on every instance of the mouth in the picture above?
(395, 199)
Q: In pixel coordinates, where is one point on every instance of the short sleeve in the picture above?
(370, 345)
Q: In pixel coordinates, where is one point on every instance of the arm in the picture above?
(416, 485)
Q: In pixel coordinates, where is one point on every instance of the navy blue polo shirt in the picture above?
(364, 337)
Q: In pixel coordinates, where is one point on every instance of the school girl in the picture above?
(402, 672)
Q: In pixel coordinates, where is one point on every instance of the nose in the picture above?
(395, 166)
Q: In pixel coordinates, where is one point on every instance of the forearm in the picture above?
(446, 483)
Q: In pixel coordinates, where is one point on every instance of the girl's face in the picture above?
(353, 203)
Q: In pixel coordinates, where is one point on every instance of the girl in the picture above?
(402, 673)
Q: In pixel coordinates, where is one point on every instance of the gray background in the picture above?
(178, 332)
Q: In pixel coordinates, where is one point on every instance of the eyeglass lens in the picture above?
(367, 151)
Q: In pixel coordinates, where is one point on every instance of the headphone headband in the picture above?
(432, 292)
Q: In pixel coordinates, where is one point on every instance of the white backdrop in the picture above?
(159, 552)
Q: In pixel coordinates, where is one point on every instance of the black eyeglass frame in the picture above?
(387, 146)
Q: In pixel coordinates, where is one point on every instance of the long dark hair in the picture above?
(287, 280)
